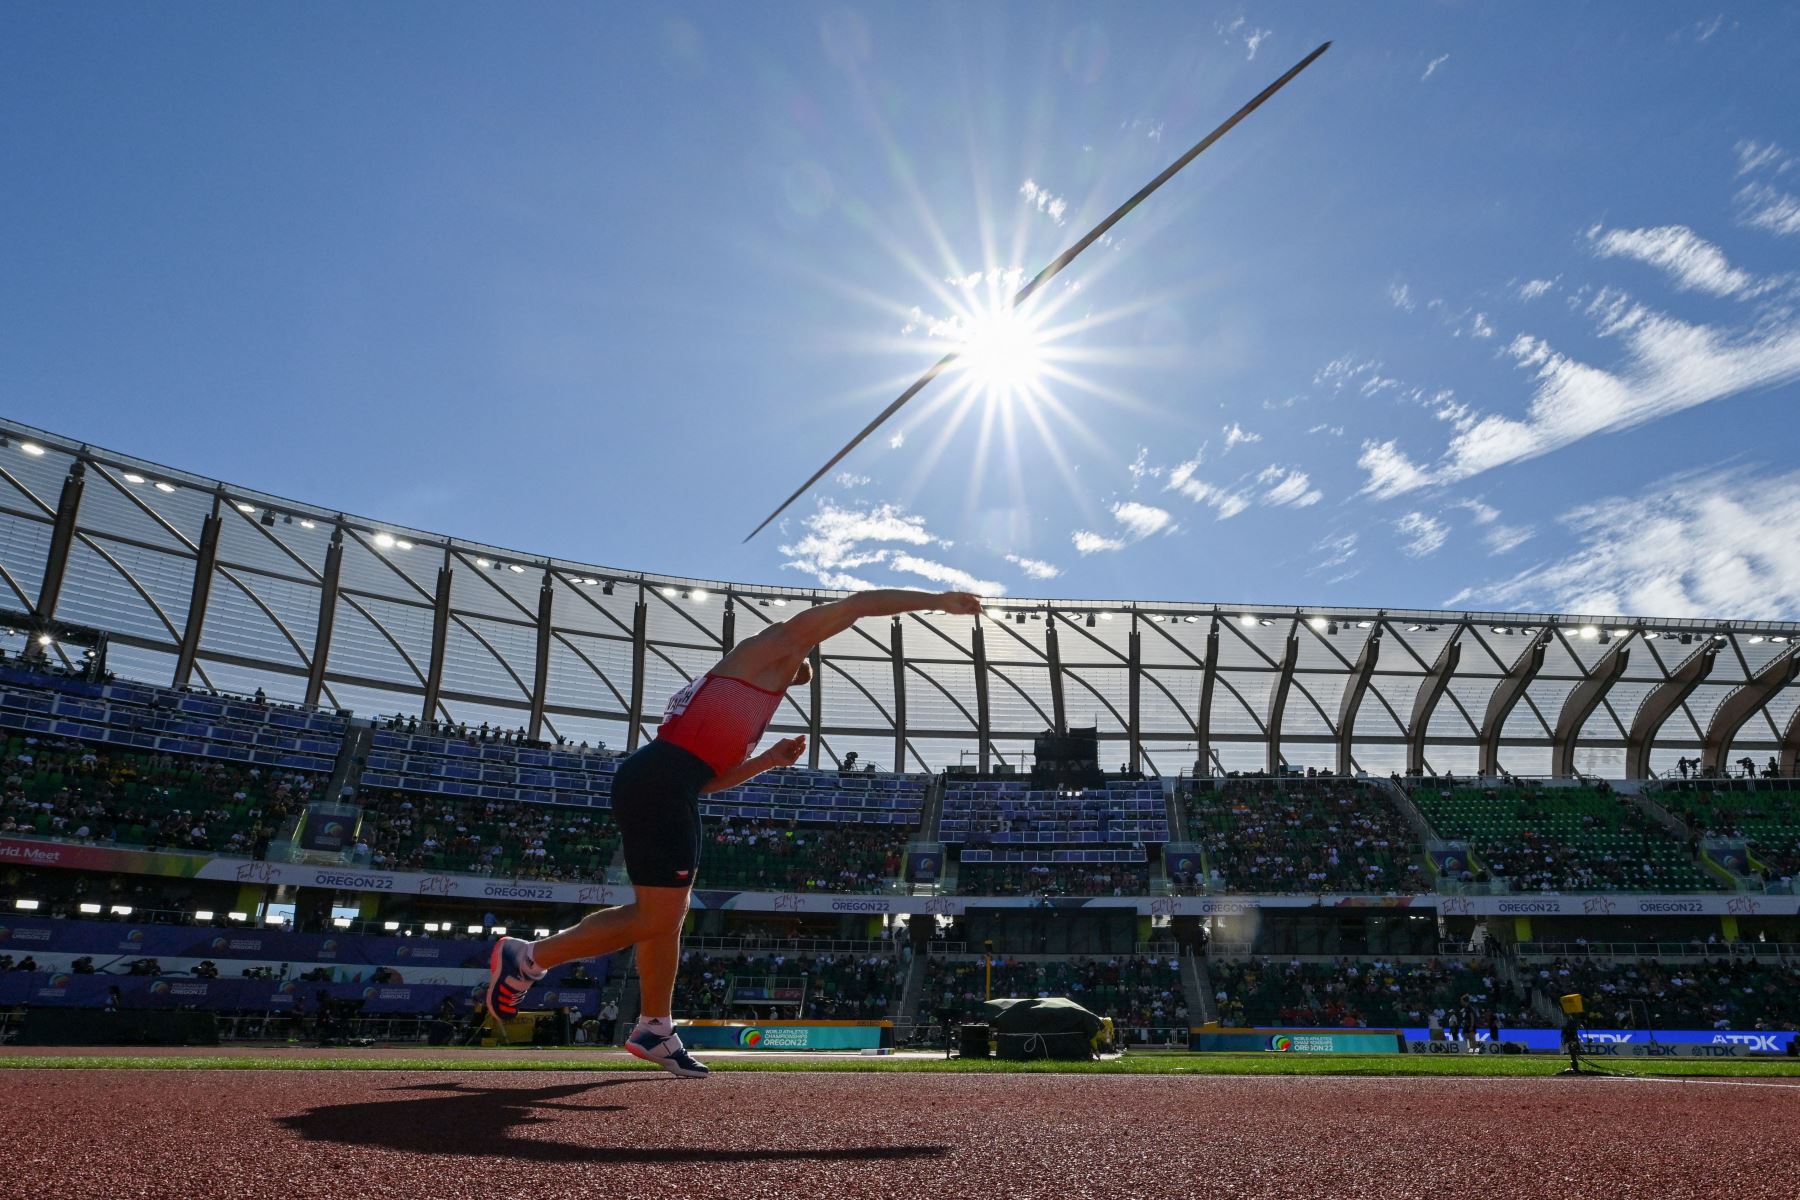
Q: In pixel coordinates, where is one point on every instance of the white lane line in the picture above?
(1713, 1082)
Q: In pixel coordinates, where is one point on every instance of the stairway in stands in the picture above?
(1196, 981)
(905, 1009)
(347, 772)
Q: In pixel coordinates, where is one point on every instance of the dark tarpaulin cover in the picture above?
(1041, 1014)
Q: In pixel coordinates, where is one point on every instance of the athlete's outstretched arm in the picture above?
(784, 753)
(825, 621)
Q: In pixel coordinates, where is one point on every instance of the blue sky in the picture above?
(1493, 307)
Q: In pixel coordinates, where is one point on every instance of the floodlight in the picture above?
(305, 524)
(32, 448)
(698, 594)
(244, 506)
(45, 639)
(431, 927)
(499, 931)
(1589, 631)
(1246, 619)
(121, 910)
(543, 933)
(482, 562)
(403, 544)
(515, 568)
(237, 916)
(341, 922)
(163, 486)
(1757, 640)
(133, 477)
(390, 925)
(474, 929)
(1365, 624)
(203, 915)
(90, 908)
(780, 603)
(1317, 622)
(27, 905)
(384, 540)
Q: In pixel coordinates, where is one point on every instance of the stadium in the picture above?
(1040, 801)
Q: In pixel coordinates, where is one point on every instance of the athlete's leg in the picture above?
(659, 950)
(594, 936)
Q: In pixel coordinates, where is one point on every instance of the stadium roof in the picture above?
(315, 605)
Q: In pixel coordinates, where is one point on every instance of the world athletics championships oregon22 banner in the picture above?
(788, 1035)
(1297, 1041)
(1550, 1040)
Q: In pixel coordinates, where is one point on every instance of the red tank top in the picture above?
(718, 719)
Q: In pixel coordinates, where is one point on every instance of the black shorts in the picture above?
(656, 803)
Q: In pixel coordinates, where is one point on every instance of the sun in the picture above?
(1001, 352)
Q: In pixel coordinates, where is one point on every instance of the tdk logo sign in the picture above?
(1761, 1043)
(1617, 1039)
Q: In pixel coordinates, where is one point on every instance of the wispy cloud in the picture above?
(1531, 289)
(1697, 544)
(1704, 30)
(1668, 366)
(1391, 473)
(1769, 209)
(1503, 539)
(1479, 327)
(1335, 551)
(1141, 469)
(1285, 487)
(849, 479)
(839, 544)
(1401, 296)
(1327, 428)
(1482, 514)
(1137, 522)
(1424, 535)
(1694, 263)
(1042, 199)
(1255, 38)
(1432, 66)
(1224, 502)
(1034, 568)
(897, 441)
(1237, 435)
(1762, 156)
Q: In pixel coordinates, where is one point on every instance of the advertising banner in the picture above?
(63, 990)
(1297, 1041)
(924, 866)
(794, 1035)
(329, 828)
(1753, 1041)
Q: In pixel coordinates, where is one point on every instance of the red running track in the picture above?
(597, 1136)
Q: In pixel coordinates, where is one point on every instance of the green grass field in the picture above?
(1153, 1063)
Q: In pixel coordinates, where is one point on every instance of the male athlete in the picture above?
(703, 745)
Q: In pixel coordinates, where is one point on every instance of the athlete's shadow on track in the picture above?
(478, 1123)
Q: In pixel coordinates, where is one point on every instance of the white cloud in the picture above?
(1336, 551)
(1695, 263)
(1401, 296)
(1503, 539)
(1224, 503)
(1391, 472)
(839, 540)
(1425, 535)
(1762, 156)
(897, 441)
(1237, 435)
(1480, 328)
(849, 479)
(1669, 366)
(1433, 65)
(1699, 544)
(1484, 514)
(1139, 521)
(938, 572)
(1088, 542)
(1042, 199)
(1288, 488)
(1703, 30)
(1255, 38)
(1531, 289)
(1769, 209)
(1141, 469)
(1035, 568)
(1323, 427)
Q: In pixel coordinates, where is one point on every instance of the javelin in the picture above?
(1048, 273)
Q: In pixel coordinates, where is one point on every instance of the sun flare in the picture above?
(1002, 354)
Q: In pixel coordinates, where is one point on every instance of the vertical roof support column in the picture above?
(1209, 671)
(1790, 749)
(1425, 701)
(56, 565)
(1278, 698)
(440, 633)
(1507, 694)
(815, 717)
(204, 562)
(1661, 704)
(1744, 703)
(728, 627)
(640, 623)
(1053, 653)
(1134, 682)
(983, 727)
(540, 676)
(1353, 698)
(328, 597)
(897, 649)
(1583, 699)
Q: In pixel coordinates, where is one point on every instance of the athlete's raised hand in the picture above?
(787, 751)
(967, 604)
